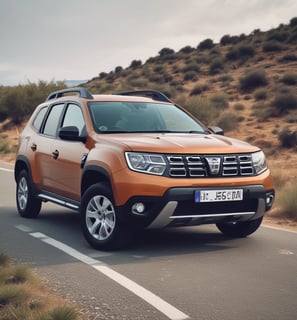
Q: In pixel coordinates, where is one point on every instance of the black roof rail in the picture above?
(155, 95)
(82, 92)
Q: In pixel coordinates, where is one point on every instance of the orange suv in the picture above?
(136, 160)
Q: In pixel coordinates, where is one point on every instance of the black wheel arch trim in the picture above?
(20, 163)
(93, 168)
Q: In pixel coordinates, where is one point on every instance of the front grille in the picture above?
(196, 166)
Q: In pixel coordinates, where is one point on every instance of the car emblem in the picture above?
(214, 164)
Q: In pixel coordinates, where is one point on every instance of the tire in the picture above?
(102, 224)
(240, 229)
(28, 205)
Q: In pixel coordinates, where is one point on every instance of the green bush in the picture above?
(203, 109)
(225, 40)
(232, 54)
(290, 78)
(135, 64)
(271, 46)
(246, 50)
(19, 101)
(288, 200)
(12, 294)
(287, 138)
(285, 101)
(187, 49)
(238, 106)
(260, 94)
(291, 118)
(190, 76)
(192, 66)
(118, 69)
(277, 35)
(293, 22)
(158, 68)
(199, 89)
(4, 146)
(216, 66)
(252, 80)
(228, 121)
(288, 57)
(157, 78)
(240, 51)
(293, 37)
(166, 52)
(262, 112)
(63, 313)
(22, 273)
(206, 44)
(220, 100)
(225, 78)
(4, 260)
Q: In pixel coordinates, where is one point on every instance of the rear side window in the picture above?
(37, 122)
(52, 121)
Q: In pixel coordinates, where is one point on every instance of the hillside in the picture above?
(246, 84)
(250, 79)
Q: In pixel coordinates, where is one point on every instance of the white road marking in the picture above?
(285, 252)
(23, 228)
(167, 309)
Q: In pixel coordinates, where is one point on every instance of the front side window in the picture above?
(112, 117)
(52, 121)
(74, 117)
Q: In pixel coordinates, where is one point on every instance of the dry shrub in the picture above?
(252, 80)
(287, 199)
(287, 138)
(203, 109)
(228, 121)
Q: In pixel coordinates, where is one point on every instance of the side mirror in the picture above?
(71, 133)
(216, 130)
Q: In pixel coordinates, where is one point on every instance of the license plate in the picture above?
(218, 195)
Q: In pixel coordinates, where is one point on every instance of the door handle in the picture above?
(55, 154)
(33, 146)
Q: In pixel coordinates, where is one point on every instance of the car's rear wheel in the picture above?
(240, 229)
(102, 224)
(28, 205)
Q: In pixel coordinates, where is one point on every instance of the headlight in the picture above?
(259, 162)
(146, 163)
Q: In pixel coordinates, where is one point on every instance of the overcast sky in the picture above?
(77, 39)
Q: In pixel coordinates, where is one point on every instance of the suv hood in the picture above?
(180, 143)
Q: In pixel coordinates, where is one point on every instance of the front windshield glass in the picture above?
(113, 117)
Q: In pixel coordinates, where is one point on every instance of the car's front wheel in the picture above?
(102, 224)
(28, 205)
(240, 229)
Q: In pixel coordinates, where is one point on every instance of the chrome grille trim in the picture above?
(195, 166)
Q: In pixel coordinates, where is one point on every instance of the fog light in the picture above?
(269, 200)
(138, 208)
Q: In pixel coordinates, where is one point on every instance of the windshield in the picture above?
(113, 117)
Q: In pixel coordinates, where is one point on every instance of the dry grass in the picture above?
(23, 296)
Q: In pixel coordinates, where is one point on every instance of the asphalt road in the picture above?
(186, 273)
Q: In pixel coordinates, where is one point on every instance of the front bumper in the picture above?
(178, 208)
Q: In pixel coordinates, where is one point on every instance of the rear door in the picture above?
(44, 146)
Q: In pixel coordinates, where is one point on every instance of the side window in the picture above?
(37, 122)
(52, 121)
(74, 117)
